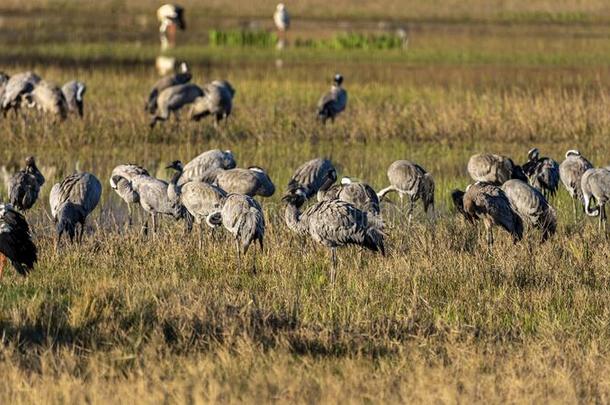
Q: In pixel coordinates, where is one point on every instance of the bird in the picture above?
(487, 202)
(49, 99)
(170, 16)
(74, 94)
(72, 200)
(172, 99)
(570, 173)
(360, 195)
(495, 169)
(252, 181)
(24, 186)
(16, 243)
(16, 88)
(410, 179)
(217, 100)
(182, 76)
(4, 78)
(281, 18)
(595, 185)
(126, 192)
(206, 166)
(243, 217)
(312, 176)
(334, 102)
(542, 173)
(334, 223)
(531, 205)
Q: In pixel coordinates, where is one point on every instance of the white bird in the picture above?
(170, 16)
(281, 18)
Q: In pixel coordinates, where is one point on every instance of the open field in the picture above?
(122, 318)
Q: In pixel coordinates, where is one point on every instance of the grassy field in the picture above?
(126, 319)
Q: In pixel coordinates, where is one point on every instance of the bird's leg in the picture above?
(602, 215)
(238, 251)
(2, 264)
(574, 208)
(333, 271)
(490, 238)
(411, 208)
(154, 224)
(201, 225)
(129, 215)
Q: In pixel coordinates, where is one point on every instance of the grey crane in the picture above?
(334, 102)
(16, 243)
(16, 88)
(360, 195)
(595, 185)
(313, 176)
(24, 186)
(334, 223)
(74, 94)
(217, 100)
(206, 166)
(173, 99)
(243, 217)
(72, 200)
(183, 76)
(49, 99)
(410, 179)
(570, 173)
(487, 202)
(492, 168)
(170, 16)
(124, 190)
(252, 181)
(532, 206)
(542, 173)
(152, 194)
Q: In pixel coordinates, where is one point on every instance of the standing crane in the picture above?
(252, 181)
(173, 99)
(183, 76)
(217, 101)
(542, 173)
(570, 173)
(207, 165)
(125, 190)
(360, 195)
(495, 169)
(281, 18)
(170, 16)
(595, 184)
(74, 94)
(24, 186)
(334, 102)
(16, 243)
(243, 217)
(313, 176)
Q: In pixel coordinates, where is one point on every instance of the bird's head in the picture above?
(572, 152)
(338, 80)
(30, 161)
(228, 160)
(345, 181)
(176, 165)
(329, 179)
(183, 67)
(533, 154)
(281, 7)
(296, 198)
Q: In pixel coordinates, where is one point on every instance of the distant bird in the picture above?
(281, 18)
(16, 243)
(4, 78)
(74, 93)
(334, 102)
(252, 181)
(531, 206)
(125, 189)
(24, 186)
(217, 100)
(495, 169)
(170, 16)
(72, 201)
(542, 173)
(173, 99)
(360, 195)
(16, 88)
(206, 166)
(570, 173)
(595, 185)
(183, 76)
(412, 180)
(243, 217)
(487, 202)
(334, 223)
(49, 99)
(313, 176)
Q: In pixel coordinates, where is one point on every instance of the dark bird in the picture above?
(183, 76)
(16, 243)
(217, 101)
(495, 169)
(313, 176)
(24, 186)
(542, 173)
(334, 102)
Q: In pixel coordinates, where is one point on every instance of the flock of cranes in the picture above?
(211, 191)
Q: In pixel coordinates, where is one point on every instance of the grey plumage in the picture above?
(181, 77)
(173, 99)
(72, 201)
(16, 88)
(217, 100)
(542, 173)
(24, 186)
(49, 99)
(570, 173)
(243, 217)
(313, 176)
(74, 94)
(531, 206)
(412, 180)
(360, 195)
(124, 189)
(487, 202)
(334, 223)
(16, 241)
(252, 182)
(334, 102)
(495, 169)
(206, 166)
(595, 185)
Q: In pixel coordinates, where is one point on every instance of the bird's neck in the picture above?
(292, 216)
(173, 190)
